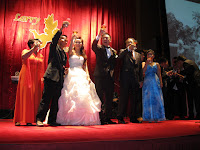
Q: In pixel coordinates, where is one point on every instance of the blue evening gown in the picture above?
(152, 97)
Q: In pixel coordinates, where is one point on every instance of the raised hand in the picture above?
(101, 32)
(65, 24)
(149, 60)
(103, 27)
(36, 46)
(74, 34)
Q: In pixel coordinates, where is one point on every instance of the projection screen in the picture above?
(183, 17)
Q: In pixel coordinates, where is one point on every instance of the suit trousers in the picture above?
(129, 87)
(51, 94)
(193, 100)
(105, 87)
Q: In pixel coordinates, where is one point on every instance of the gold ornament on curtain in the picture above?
(49, 30)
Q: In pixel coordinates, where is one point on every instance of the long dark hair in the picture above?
(30, 41)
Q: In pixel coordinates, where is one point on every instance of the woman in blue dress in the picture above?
(152, 97)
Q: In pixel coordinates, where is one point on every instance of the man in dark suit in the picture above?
(53, 78)
(176, 92)
(192, 77)
(168, 103)
(104, 72)
(131, 78)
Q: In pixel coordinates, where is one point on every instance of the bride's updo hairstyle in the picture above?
(82, 51)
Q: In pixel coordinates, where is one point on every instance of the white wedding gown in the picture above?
(78, 103)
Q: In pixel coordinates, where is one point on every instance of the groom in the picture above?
(104, 74)
(53, 78)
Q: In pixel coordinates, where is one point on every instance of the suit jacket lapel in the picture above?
(131, 56)
(136, 57)
(59, 56)
(111, 51)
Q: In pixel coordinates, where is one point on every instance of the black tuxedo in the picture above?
(192, 74)
(168, 102)
(53, 81)
(104, 76)
(130, 76)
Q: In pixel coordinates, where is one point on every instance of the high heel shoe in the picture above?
(17, 124)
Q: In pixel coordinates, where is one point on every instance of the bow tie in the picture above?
(106, 46)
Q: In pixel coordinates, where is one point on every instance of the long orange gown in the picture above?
(29, 89)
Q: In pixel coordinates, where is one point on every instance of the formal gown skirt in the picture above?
(152, 97)
(79, 103)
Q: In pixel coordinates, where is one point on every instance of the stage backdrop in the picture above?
(21, 20)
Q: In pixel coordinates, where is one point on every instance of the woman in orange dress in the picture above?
(30, 85)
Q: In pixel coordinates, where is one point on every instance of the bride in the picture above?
(78, 103)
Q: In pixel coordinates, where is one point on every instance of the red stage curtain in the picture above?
(86, 16)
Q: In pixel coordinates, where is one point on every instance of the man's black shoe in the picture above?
(29, 124)
(102, 122)
(181, 118)
(135, 121)
(54, 124)
(197, 118)
(190, 118)
(121, 121)
(108, 121)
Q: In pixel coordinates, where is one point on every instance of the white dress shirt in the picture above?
(107, 49)
(133, 53)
